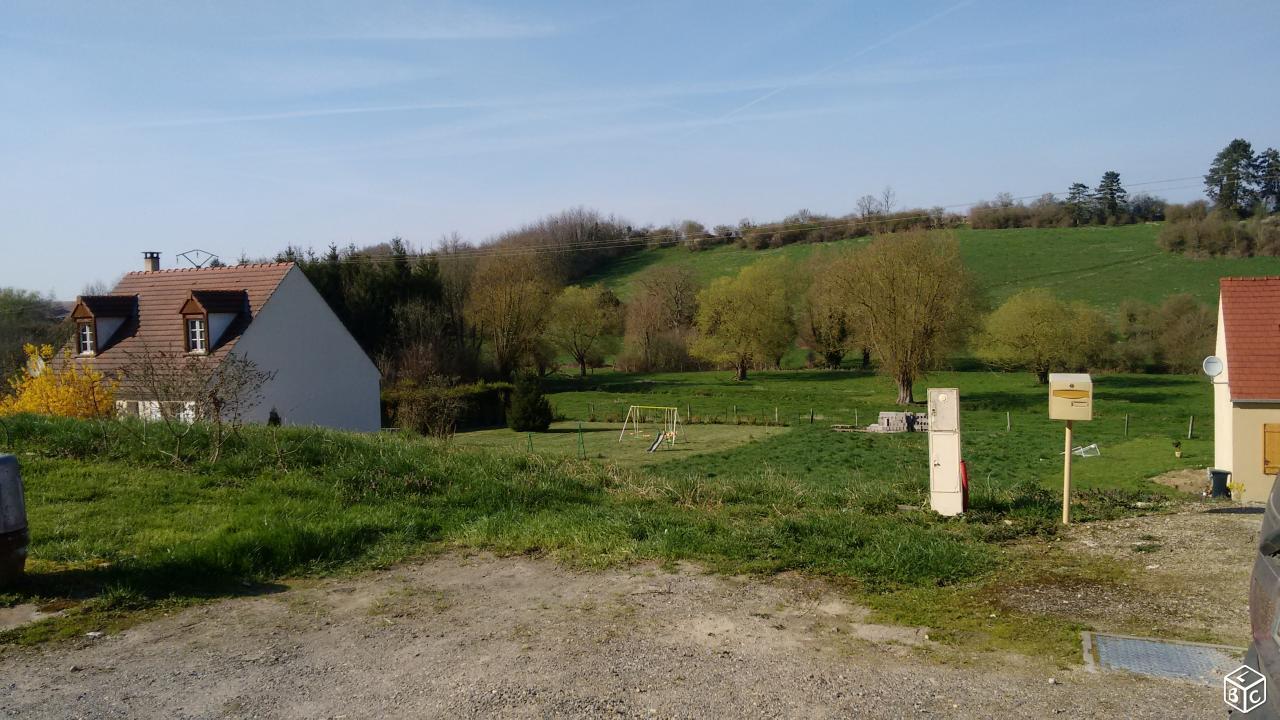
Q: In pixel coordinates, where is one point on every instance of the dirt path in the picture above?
(477, 636)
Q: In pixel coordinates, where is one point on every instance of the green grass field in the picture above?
(1158, 409)
(1100, 265)
(601, 441)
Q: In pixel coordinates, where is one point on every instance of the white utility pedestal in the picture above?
(946, 496)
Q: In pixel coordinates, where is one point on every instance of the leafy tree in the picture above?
(1037, 331)
(1229, 182)
(582, 322)
(913, 298)
(508, 302)
(822, 319)
(1111, 197)
(530, 411)
(746, 319)
(66, 388)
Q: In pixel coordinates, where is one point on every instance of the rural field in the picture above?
(1099, 265)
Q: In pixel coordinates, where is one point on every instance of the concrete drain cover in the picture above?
(1206, 664)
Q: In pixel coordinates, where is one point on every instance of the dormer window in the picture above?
(207, 315)
(197, 335)
(85, 338)
(99, 320)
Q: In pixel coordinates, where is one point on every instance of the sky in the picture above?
(241, 128)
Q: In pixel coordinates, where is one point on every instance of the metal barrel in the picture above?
(13, 522)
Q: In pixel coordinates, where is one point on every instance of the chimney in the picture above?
(150, 261)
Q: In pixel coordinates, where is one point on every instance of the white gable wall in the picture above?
(322, 376)
(1223, 433)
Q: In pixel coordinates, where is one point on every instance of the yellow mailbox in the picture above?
(1070, 396)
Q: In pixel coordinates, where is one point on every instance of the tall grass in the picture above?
(113, 517)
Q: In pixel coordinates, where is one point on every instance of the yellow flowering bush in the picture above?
(70, 389)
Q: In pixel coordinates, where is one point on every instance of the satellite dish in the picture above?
(1212, 366)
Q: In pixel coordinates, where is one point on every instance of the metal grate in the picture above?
(1206, 664)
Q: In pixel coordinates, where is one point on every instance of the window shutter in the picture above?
(1271, 449)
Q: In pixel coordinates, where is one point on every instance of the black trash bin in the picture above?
(1218, 483)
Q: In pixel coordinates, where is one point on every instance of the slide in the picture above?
(657, 442)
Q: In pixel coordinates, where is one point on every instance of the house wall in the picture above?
(1223, 435)
(1246, 465)
(322, 375)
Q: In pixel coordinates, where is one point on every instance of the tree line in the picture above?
(1240, 218)
(1109, 203)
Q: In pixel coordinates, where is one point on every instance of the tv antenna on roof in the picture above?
(200, 258)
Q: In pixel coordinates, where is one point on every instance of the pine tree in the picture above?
(1111, 197)
(529, 411)
(1268, 176)
(1230, 181)
(1080, 204)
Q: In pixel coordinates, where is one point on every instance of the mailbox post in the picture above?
(1070, 399)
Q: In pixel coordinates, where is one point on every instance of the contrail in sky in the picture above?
(873, 46)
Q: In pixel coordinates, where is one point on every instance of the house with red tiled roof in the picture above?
(268, 313)
(1246, 388)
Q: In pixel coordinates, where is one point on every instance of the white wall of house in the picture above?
(1223, 415)
(322, 376)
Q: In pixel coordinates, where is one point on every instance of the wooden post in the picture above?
(1066, 479)
(855, 417)
(582, 447)
(688, 413)
(530, 442)
(1126, 424)
(735, 414)
(810, 416)
(1191, 426)
(1008, 421)
(775, 414)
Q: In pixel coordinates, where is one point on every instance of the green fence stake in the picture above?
(530, 442)
(582, 448)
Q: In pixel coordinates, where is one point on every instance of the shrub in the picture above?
(438, 409)
(1178, 212)
(530, 411)
(67, 389)
(1220, 235)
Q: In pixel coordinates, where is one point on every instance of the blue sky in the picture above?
(244, 127)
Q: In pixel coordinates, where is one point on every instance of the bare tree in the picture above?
(659, 317)
(888, 199)
(186, 389)
(868, 207)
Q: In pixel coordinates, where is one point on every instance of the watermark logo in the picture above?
(1244, 689)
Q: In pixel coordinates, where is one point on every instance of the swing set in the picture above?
(639, 415)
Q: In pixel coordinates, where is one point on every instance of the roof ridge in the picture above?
(246, 266)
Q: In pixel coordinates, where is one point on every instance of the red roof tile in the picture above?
(157, 325)
(1251, 321)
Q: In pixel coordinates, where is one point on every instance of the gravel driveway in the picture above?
(478, 636)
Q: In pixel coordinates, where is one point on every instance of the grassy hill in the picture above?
(1100, 265)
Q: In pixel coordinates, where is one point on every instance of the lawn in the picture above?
(120, 530)
(1007, 435)
(600, 441)
(1100, 265)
